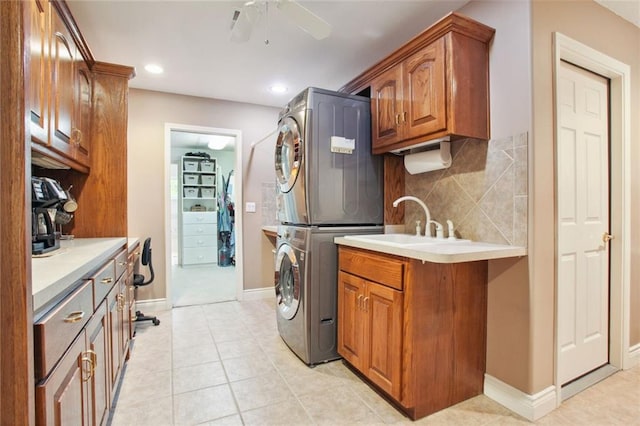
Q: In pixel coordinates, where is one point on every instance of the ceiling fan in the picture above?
(246, 18)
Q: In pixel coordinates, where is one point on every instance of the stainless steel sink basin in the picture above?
(402, 240)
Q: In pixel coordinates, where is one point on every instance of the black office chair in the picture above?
(138, 280)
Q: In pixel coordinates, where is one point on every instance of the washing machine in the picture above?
(306, 286)
(326, 174)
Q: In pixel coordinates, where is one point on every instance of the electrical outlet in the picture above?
(250, 207)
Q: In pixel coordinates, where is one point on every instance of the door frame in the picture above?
(619, 74)
(238, 173)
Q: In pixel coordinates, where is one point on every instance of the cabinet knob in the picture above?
(107, 280)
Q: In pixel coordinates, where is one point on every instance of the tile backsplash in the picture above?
(484, 192)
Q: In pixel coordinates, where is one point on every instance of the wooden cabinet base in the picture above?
(443, 342)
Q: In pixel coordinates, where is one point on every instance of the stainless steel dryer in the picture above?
(326, 174)
(306, 282)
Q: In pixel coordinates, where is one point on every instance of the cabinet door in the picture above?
(62, 398)
(425, 107)
(38, 71)
(350, 319)
(383, 334)
(97, 345)
(83, 98)
(114, 306)
(63, 51)
(386, 108)
(124, 319)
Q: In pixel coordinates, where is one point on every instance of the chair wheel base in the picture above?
(142, 317)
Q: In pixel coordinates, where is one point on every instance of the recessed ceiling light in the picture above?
(278, 88)
(154, 68)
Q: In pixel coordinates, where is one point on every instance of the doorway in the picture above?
(209, 278)
(599, 312)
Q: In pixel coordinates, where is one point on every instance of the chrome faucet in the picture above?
(427, 231)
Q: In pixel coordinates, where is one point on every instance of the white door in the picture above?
(583, 222)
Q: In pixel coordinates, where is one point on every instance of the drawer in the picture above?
(191, 256)
(204, 229)
(103, 280)
(374, 267)
(198, 217)
(199, 241)
(54, 332)
(121, 263)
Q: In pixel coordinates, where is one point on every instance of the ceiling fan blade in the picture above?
(243, 21)
(317, 27)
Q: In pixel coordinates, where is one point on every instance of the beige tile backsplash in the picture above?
(484, 192)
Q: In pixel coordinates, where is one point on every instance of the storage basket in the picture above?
(207, 192)
(191, 179)
(207, 180)
(190, 192)
(207, 166)
(190, 166)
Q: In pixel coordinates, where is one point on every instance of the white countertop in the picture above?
(441, 253)
(54, 274)
(131, 242)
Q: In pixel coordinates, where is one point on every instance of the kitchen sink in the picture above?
(403, 240)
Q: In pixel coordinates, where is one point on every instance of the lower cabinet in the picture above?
(370, 330)
(415, 331)
(80, 347)
(116, 304)
(75, 393)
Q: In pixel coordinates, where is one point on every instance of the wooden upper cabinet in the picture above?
(424, 101)
(61, 89)
(386, 107)
(39, 44)
(435, 86)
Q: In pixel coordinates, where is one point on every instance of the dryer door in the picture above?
(289, 152)
(287, 281)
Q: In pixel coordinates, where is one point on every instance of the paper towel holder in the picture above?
(421, 146)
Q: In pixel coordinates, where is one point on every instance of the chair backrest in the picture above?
(146, 260)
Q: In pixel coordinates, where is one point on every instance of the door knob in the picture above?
(606, 237)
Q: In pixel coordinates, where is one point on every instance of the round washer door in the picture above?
(289, 147)
(287, 281)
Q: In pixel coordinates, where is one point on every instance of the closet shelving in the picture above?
(197, 210)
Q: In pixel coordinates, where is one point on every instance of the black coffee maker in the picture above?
(46, 197)
(43, 236)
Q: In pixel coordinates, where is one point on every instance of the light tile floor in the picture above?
(202, 284)
(225, 364)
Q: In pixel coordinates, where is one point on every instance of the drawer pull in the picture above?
(74, 316)
(107, 280)
(122, 263)
(366, 304)
(360, 301)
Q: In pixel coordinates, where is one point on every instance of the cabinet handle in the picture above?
(122, 263)
(76, 136)
(107, 280)
(397, 119)
(120, 300)
(74, 316)
(360, 302)
(366, 304)
(91, 358)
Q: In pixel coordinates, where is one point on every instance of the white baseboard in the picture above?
(633, 358)
(531, 407)
(259, 293)
(153, 305)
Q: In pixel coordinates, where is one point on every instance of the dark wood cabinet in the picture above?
(62, 94)
(435, 86)
(416, 331)
(98, 386)
(370, 330)
(408, 100)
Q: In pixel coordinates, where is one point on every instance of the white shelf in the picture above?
(197, 228)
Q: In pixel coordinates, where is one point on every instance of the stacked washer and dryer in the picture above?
(329, 185)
